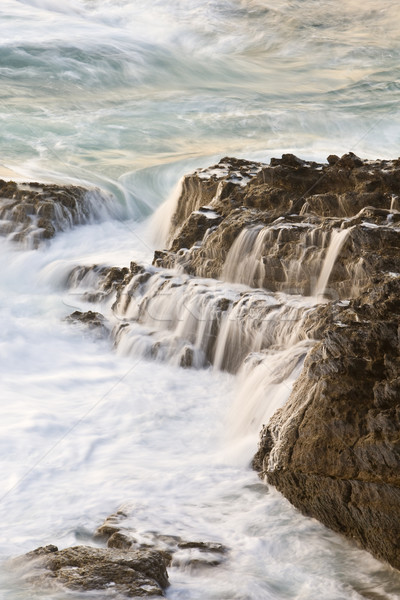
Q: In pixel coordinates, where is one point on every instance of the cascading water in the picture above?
(195, 322)
(128, 98)
(337, 240)
(255, 259)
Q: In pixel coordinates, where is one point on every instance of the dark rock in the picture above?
(102, 281)
(124, 573)
(93, 320)
(334, 449)
(110, 526)
(120, 540)
(332, 159)
(203, 546)
(118, 531)
(294, 205)
(186, 359)
(31, 212)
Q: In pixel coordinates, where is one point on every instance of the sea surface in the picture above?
(129, 96)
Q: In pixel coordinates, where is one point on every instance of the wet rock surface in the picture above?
(331, 231)
(334, 449)
(134, 563)
(118, 531)
(31, 212)
(93, 320)
(119, 573)
(97, 282)
(272, 224)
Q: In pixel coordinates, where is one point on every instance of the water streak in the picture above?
(336, 243)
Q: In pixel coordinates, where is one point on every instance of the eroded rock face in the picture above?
(327, 230)
(30, 212)
(272, 226)
(334, 449)
(119, 573)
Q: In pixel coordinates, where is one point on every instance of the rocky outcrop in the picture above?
(30, 212)
(331, 231)
(271, 225)
(188, 321)
(334, 449)
(93, 320)
(96, 283)
(118, 532)
(119, 573)
(133, 565)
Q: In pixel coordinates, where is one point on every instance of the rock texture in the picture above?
(93, 320)
(133, 564)
(119, 573)
(331, 231)
(334, 449)
(270, 225)
(118, 531)
(30, 212)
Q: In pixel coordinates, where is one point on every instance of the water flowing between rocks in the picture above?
(147, 341)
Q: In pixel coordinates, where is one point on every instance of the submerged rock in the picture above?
(30, 212)
(118, 531)
(119, 573)
(92, 320)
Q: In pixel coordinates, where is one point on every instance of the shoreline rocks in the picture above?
(334, 449)
(118, 531)
(134, 563)
(271, 225)
(331, 231)
(32, 212)
(120, 573)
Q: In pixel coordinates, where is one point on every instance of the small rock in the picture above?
(129, 573)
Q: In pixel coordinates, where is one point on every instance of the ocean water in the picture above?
(128, 97)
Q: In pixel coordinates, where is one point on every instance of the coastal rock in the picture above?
(119, 532)
(329, 231)
(272, 226)
(119, 573)
(30, 212)
(92, 320)
(334, 449)
(97, 282)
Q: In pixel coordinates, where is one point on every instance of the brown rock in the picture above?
(334, 449)
(33, 211)
(117, 530)
(126, 573)
(294, 205)
(93, 320)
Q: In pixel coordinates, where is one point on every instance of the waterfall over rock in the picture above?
(276, 224)
(268, 267)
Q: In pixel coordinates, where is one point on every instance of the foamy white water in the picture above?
(129, 97)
